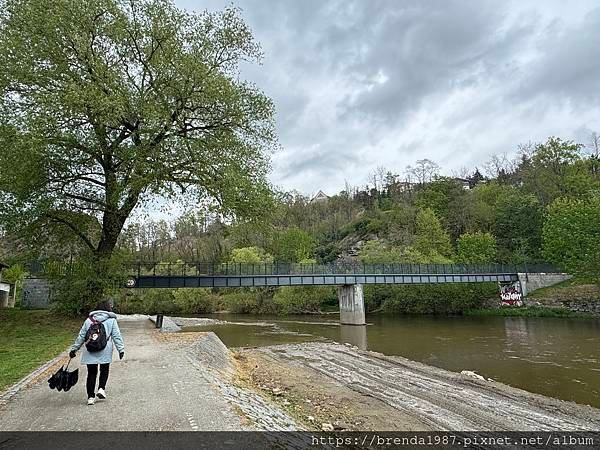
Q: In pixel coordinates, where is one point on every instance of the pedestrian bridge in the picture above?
(193, 275)
(349, 278)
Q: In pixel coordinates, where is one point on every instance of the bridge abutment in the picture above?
(352, 304)
(533, 281)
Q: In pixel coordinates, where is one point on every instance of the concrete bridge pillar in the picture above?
(352, 304)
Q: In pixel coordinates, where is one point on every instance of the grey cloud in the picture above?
(362, 83)
(569, 63)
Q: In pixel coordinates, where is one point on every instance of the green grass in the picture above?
(525, 311)
(555, 288)
(30, 338)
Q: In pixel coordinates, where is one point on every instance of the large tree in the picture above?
(107, 104)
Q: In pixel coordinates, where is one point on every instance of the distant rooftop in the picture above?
(319, 197)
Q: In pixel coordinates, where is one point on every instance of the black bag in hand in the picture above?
(63, 380)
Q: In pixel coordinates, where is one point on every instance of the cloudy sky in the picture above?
(364, 83)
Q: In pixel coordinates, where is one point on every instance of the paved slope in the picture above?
(439, 399)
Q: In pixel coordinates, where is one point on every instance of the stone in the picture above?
(327, 427)
(277, 391)
(470, 373)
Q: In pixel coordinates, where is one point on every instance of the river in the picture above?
(556, 357)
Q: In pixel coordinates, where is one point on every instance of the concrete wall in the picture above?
(4, 295)
(533, 281)
(352, 304)
(36, 293)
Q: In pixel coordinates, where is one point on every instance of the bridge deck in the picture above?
(174, 281)
(200, 274)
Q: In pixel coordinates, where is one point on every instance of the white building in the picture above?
(5, 297)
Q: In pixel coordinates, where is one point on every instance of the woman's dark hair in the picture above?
(105, 305)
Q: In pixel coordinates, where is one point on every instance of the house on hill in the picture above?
(320, 197)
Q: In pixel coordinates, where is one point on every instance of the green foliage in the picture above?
(327, 253)
(146, 301)
(195, 301)
(429, 299)
(447, 198)
(303, 299)
(476, 248)
(550, 173)
(89, 279)
(431, 238)
(484, 203)
(571, 235)
(106, 104)
(14, 274)
(250, 255)
(376, 252)
(293, 245)
(249, 301)
(518, 228)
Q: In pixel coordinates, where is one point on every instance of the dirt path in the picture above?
(360, 390)
(153, 388)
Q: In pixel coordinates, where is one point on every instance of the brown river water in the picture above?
(556, 357)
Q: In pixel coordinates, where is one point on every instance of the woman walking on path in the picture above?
(103, 357)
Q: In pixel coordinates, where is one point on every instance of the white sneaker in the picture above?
(91, 401)
(101, 394)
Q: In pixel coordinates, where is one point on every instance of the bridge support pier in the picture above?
(352, 304)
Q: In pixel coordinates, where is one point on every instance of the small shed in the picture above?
(5, 290)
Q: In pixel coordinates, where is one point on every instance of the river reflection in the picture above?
(355, 335)
(552, 356)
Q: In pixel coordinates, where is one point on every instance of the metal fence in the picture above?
(241, 269)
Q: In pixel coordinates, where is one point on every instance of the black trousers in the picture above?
(92, 373)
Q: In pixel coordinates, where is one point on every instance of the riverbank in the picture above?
(332, 386)
(191, 381)
(529, 311)
(579, 296)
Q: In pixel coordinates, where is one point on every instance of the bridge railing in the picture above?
(197, 269)
(242, 269)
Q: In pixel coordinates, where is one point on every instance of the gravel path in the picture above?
(153, 388)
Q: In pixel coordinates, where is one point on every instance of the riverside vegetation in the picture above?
(202, 135)
(515, 217)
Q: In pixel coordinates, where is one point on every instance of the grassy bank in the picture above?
(568, 290)
(30, 338)
(532, 311)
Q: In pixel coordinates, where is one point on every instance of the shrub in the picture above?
(429, 299)
(476, 248)
(195, 301)
(302, 299)
(146, 301)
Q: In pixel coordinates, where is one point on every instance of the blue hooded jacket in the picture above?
(109, 319)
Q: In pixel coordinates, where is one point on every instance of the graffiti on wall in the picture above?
(510, 294)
